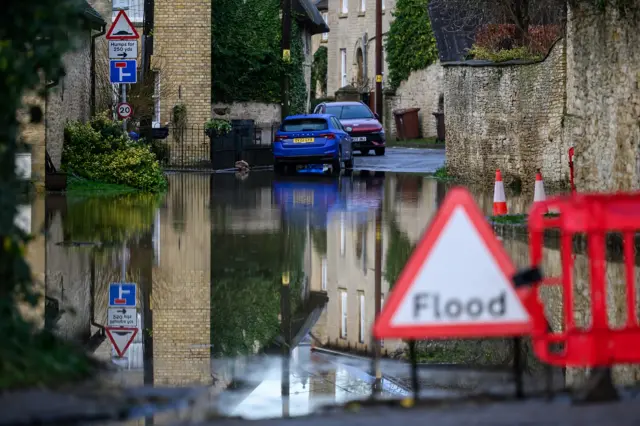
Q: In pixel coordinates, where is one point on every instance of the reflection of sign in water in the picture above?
(122, 294)
(303, 197)
(457, 282)
(121, 338)
(122, 317)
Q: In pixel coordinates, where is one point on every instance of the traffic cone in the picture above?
(538, 191)
(499, 199)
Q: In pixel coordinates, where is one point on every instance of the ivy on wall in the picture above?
(319, 71)
(410, 43)
(246, 58)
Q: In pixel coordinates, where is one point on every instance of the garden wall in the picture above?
(420, 90)
(603, 96)
(506, 117)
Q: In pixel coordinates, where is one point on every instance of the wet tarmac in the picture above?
(402, 160)
(210, 259)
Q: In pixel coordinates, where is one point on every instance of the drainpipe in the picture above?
(93, 69)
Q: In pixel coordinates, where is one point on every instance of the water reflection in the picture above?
(210, 259)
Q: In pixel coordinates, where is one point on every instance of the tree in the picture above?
(34, 35)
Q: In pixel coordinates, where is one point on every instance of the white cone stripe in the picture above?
(538, 193)
(498, 193)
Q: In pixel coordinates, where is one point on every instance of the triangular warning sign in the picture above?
(122, 28)
(457, 282)
(121, 338)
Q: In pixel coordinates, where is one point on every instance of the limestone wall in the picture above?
(420, 90)
(603, 97)
(508, 118)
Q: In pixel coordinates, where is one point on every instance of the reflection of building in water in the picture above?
(181, 294)
(31, 218)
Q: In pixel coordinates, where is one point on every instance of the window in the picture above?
(325, 16)
(347, 112)
(134, 8)
(305, 125)
(383, 7)
(324, 274)
(363, 5)
(343, 69)
(361, 316)
(343, 235)
(345, 6)
(343, 314)
(156, 99)
(337, 123)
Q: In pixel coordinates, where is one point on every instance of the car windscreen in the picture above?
(349, 112)
(305, 125)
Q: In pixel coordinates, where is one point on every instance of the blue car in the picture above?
(312, 139)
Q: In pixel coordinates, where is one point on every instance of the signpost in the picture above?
(124, 110)
(123, 49)
(457, 284)
(123, 54)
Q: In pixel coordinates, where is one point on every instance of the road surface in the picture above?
(410, 160)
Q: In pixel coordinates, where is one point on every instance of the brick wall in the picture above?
(507, 118)
(420, 90)
(346, 33)
(182, 44)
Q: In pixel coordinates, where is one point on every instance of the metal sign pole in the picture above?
(124, 263)
(124, 100)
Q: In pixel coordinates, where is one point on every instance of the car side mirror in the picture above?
(349, 129)
(377, 116)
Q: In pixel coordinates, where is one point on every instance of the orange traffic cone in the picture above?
(538, 191)
(499, 199)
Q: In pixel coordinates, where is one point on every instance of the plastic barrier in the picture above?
(595, 216)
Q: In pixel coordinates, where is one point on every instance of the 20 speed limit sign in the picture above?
(124, 110)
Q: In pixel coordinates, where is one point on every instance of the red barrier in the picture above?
(595, 216)
(573, 186)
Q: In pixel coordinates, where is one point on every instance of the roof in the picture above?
(322, 5)
(310, 16)
(92, 17)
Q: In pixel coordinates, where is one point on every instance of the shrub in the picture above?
(217, 127)
(497, 42)
(100, 151)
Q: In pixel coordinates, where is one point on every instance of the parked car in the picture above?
(367, 132)
(312, 139)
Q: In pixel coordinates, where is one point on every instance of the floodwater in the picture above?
(210, 259)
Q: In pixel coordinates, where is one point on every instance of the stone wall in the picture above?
(258, 111)
(603, 97)
(508, 118)
(70, 100)
(420, 90)
(182, 44)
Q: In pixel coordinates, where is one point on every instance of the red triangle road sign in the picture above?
(121, 338)
(122, 28)
(457, 282)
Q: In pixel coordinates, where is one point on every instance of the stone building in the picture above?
(320, 39)
(352, 42)
(68, 98)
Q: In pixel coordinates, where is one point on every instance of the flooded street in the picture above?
(210, 259)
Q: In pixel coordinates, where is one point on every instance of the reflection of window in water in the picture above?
(324, 274)
(343, 234)
(361, 316)
(343, 314)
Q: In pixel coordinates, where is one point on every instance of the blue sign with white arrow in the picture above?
(123, 71)
(122, 294)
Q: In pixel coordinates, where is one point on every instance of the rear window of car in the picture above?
(305, 125)
(349, 112)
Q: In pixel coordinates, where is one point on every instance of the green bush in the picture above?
(100, 151)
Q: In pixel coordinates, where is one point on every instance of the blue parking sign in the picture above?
(122, 295)
(123, 71)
